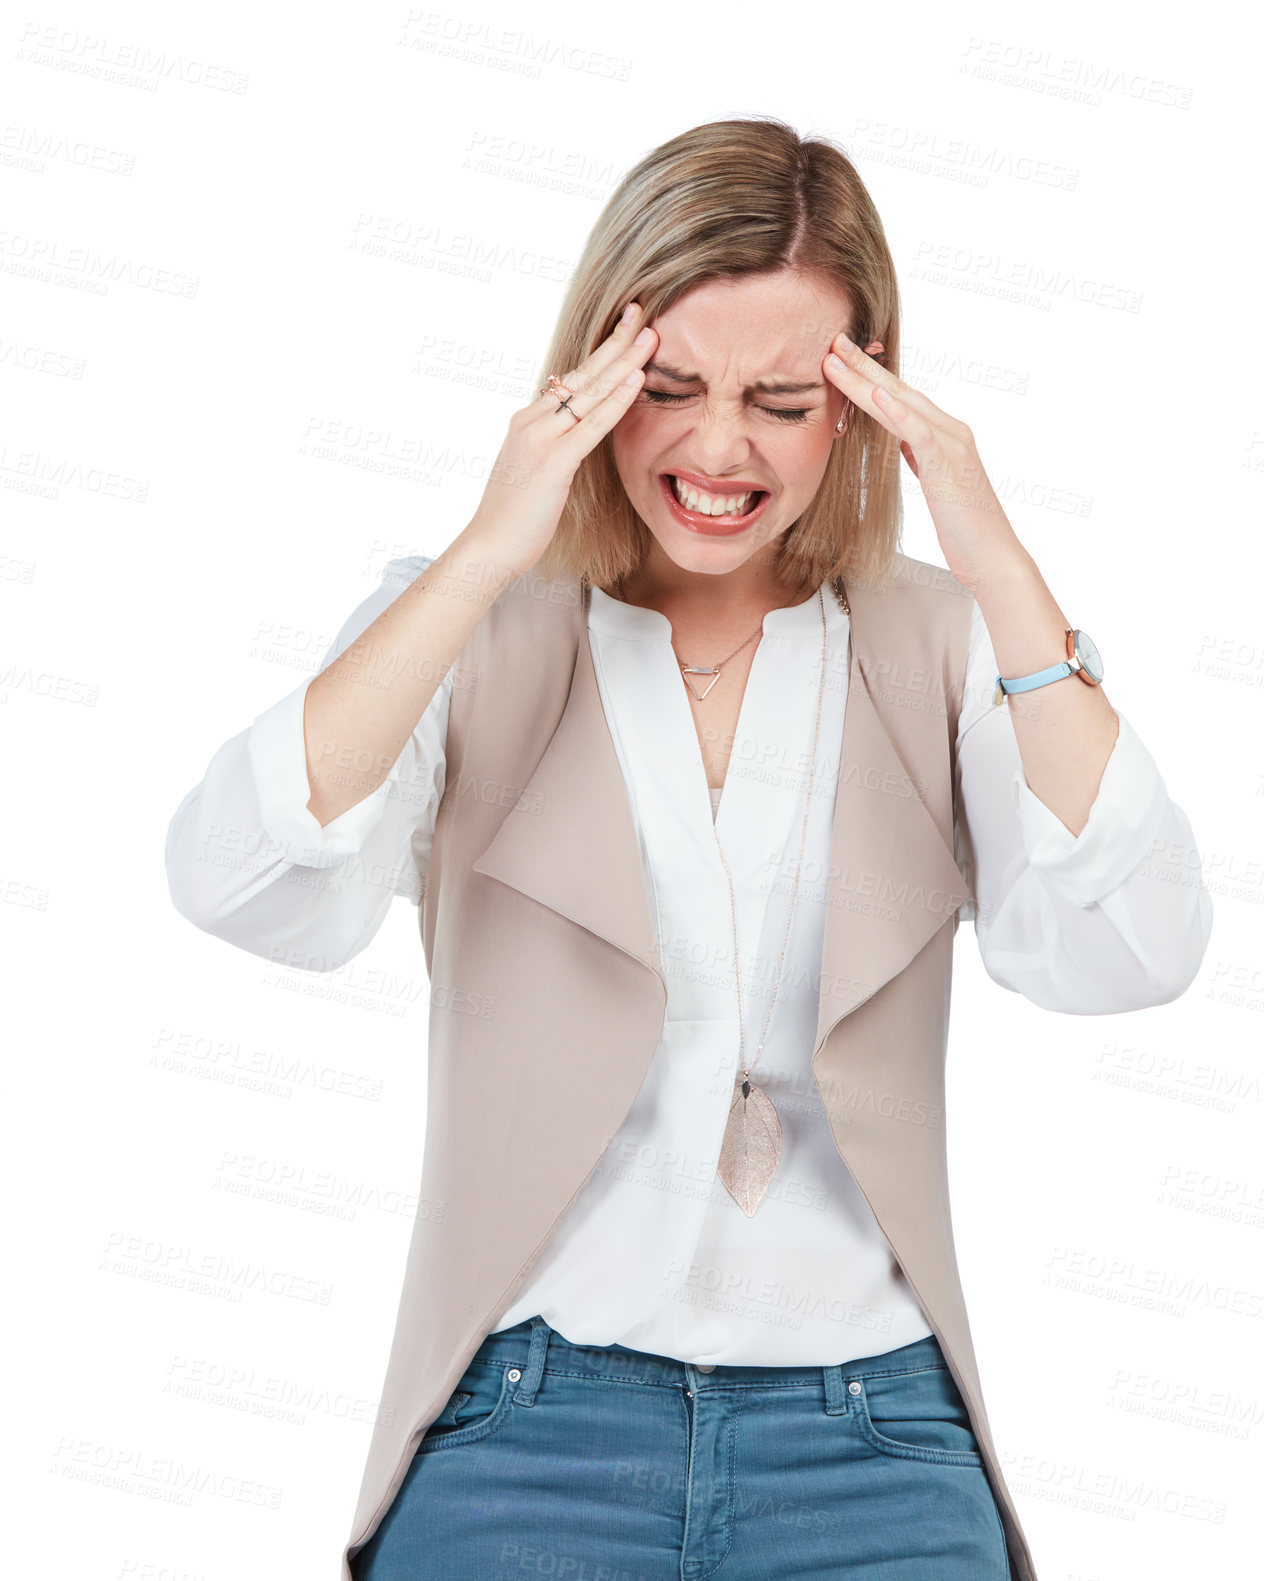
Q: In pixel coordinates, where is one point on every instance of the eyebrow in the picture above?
(764, 386)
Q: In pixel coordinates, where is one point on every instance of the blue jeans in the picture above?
(602, 1463)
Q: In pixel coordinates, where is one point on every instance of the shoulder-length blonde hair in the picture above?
(722, 200)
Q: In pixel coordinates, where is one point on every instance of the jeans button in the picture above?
(703, 1368)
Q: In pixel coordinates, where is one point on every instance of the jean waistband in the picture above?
(535, 1346)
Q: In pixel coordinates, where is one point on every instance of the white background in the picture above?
(225, 233)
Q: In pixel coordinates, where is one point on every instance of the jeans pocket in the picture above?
(481, 1403)
(915, 1416)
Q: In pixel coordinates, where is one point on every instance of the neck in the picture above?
(751, 589)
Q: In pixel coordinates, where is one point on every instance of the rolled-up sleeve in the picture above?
(1089, 924)
(246, 859)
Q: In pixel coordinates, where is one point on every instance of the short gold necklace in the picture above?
(713, 670)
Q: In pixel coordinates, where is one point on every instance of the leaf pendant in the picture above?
(751, 1148)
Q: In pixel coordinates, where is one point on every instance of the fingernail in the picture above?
(841, 340)
(629, 312)
(643, 336)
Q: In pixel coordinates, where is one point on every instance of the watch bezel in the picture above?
(1087, 671)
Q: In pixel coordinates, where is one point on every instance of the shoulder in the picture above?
(928, 586)
(532, 627)
(529, 600)
(536, 612)
(919, 609)
(930, 597)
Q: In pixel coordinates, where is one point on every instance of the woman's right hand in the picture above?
(527, 489)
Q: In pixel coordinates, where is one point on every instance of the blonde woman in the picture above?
(692, 774)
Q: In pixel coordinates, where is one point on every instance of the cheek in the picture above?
(640, 437)
(633, 446)
(632, 435)
(800, 459)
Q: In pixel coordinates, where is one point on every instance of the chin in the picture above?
(696, 548)
(714, 557)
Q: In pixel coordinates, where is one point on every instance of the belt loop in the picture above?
(540, 1333)
(835, 1394)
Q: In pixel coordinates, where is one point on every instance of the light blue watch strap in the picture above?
(1028, 683)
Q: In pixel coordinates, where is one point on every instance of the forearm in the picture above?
(1066, 729)
(361, 710)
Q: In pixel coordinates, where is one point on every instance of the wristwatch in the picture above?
(1082, 659)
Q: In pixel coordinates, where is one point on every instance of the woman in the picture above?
(682, 1299)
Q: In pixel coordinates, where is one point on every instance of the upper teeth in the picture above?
(705, 504)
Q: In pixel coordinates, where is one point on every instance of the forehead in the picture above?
(753, 327)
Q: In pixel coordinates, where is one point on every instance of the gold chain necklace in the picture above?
(713, 670)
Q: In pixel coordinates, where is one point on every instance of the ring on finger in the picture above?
(554, 386)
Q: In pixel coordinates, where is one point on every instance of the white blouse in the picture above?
(654, 1253)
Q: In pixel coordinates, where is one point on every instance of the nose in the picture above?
(720, 443)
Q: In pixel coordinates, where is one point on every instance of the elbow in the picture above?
(1161, 988)
(1142, 985)
(1055, 981)
(282, 943)
(1121, 953)
(281, 916)
(1178, 968)
(190, 874)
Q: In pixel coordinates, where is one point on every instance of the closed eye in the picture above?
(787, 414)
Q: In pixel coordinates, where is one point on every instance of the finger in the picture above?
(910, 426)
(857, 374)
(845, 358)
(599, 385)
(597, 374)
(603, 415)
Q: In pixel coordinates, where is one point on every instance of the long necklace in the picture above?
(751, 1147)
(752, 1135)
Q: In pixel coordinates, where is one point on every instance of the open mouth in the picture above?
(705, 511)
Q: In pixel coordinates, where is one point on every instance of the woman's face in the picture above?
(702, 417)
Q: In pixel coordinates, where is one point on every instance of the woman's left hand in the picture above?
(974, 532)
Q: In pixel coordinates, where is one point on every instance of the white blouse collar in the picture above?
(613, 617)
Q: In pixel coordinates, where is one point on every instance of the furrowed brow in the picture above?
(764, 386)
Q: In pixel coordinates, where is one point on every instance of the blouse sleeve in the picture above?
(1115, 918)
(248, 862)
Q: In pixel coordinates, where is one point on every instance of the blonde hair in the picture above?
(731, 198)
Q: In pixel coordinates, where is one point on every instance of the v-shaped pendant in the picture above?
(713, 670)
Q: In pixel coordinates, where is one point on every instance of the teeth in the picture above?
(695, 499)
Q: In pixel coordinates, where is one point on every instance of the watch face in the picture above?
(1088, 655)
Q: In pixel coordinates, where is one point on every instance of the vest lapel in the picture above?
(894, 879)
(570, 841)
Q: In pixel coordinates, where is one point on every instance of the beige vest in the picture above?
(548, 996)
